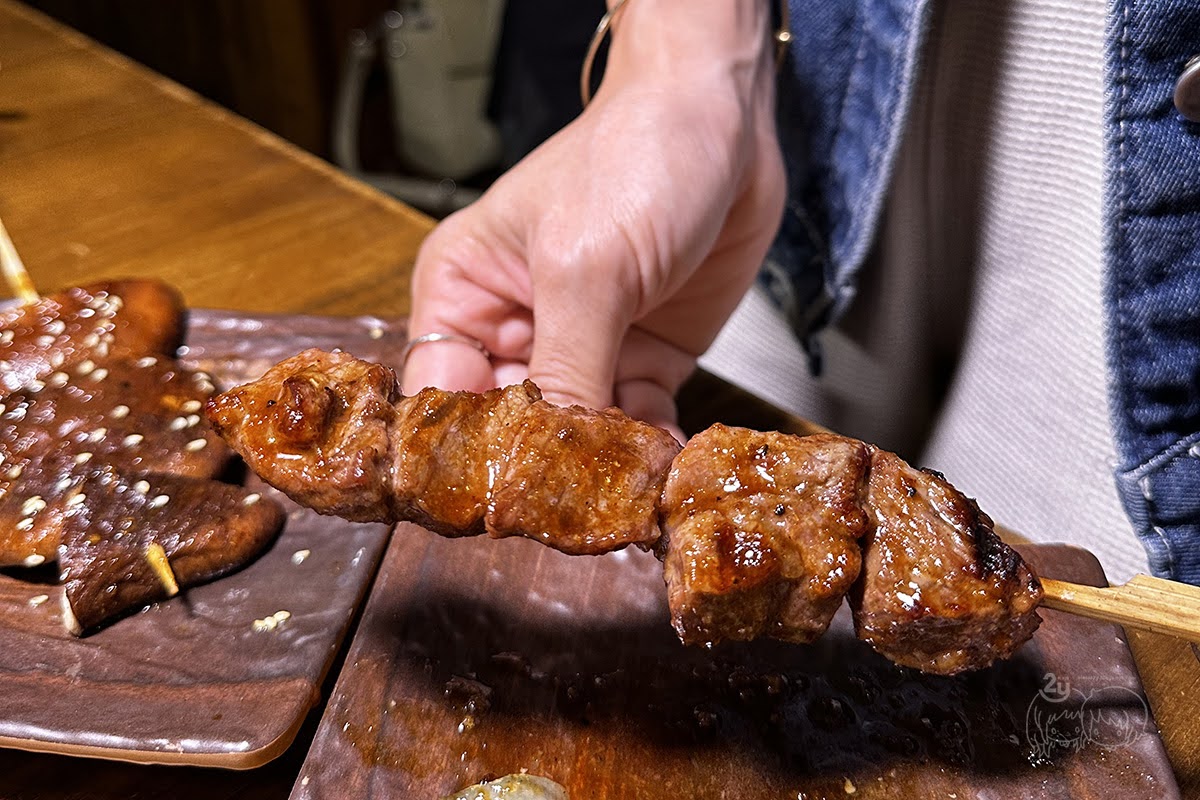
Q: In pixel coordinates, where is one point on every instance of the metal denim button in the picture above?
(1187, 90)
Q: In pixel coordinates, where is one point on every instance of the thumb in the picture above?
(579, 326)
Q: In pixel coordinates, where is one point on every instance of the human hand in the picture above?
(603, 264)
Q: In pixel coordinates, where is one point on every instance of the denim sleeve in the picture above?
(843, 98)
(1153, 278)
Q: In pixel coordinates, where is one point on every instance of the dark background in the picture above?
(277, 62)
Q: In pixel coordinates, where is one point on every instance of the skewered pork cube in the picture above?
(939, 591)
(762, 533)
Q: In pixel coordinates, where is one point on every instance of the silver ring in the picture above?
(441, 337)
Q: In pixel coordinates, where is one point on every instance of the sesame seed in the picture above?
(91, 340)
(45, 341)
(85, 367)
(100, 374)
(178, 424)
(148, 361)
(160, 501)
(119, 412)
(86, 312)
(191, 405)
(193, 419)
(56, 328)
(35, 560)
(58, 379)
(6, 337)
(375, 332)
(102, 349)
(196, 445)
(132, 440)
(299, 556)
(83, 458)
(251, 499)
(56, 360)
(3, 408)
(200, 377)
(62, 485)
(98, 434)
(76, 499)
(282, 615)
(32, 506)
(14, 472)
(25, 524)
(141, 487)
(116, 302)
(265, 624)
(37, 600)
(17, 413)
(35, 386)
(5, 366)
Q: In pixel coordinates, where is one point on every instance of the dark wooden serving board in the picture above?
(476, 658)
(190, 681)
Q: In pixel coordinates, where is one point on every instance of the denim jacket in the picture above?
(843, 102)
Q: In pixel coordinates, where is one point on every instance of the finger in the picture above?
(579, 325)
(450, 365)
(650, 402)
(459, 289)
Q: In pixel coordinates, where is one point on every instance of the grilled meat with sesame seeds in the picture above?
(101, 429)
(205, 528)
(139, 415)
(91, 323)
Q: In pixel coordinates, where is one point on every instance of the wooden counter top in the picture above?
(107, 169)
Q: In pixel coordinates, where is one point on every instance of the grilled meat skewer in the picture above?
(762, 534)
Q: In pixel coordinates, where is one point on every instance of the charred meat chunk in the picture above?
(939, 591)
(448, 448)
(582, 481)
(335, 434)
(762, 533)
(316, 427)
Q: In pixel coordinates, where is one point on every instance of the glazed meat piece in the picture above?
(137, 415)
(939, 591)
(111, 319)
(334, 433)
(316, 427)
(205, 528)
(584, 482)
(762, 533)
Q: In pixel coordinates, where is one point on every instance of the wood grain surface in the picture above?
(107, 169)
(479, 658)
(190, 680)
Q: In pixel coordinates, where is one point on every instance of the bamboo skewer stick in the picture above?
(14, 269)
(157, 558)
(1147, 603)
